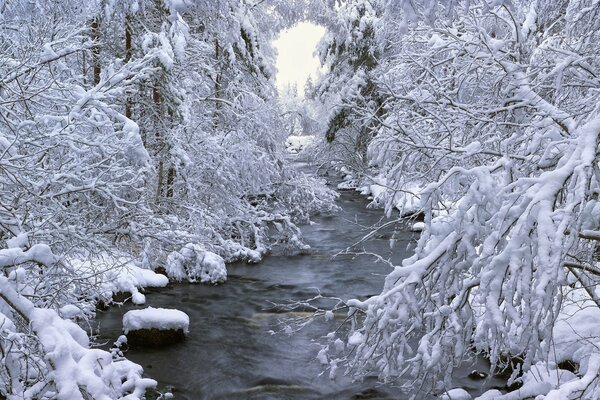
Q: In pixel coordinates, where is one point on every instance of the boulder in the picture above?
(155, 327)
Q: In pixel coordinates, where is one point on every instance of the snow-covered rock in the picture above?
(456, 394)
(118, 275)
(130, 279)
(155, 326)
(407, 200)
(193, 263)
(349, 183)
(155, 318)
(491, 394)
(418, 227)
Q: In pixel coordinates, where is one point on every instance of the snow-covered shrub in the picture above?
(195, 264)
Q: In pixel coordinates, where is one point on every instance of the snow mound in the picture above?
(295, 144)
(579, 318)
(349, 183)
(456, 394)
(193, 263)
(158, 318)
(418, 227)
(73, 368)
(130, 278)
(407, 200)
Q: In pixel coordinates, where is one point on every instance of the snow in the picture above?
(542, 372)
(119, 275)
(355, 339)
(349, 183)
(20, 241)
(47, 53)
(295, 144)
(193, 263)
(39, 253)
(71, 365)
(579, 318)
(456, 394)
(137, 153)
(472, 148)
(406, 199)
(529, 25)
(70, 311)
(322, 356)
(492, 394)
(418, 226)
(155, 318)
(132, 278)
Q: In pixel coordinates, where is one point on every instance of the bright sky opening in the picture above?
(296, 61)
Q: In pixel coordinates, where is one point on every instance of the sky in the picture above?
(295, 61)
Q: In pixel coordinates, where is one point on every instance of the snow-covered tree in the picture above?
(133, 129)
(350, 52)
(492, 109)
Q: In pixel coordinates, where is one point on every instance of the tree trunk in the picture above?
(170, 181)
(128, 51)
(95, 31)
(218, 85)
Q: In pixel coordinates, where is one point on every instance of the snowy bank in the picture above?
(193, 263)
(119, 275)
(407, 200)
(130, 279)
(64, 367)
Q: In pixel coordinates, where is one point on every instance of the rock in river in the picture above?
(155, 326)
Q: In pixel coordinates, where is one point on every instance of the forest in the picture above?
(143, 145)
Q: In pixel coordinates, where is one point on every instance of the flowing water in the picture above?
(231, 351)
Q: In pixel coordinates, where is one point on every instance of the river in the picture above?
(231, 353)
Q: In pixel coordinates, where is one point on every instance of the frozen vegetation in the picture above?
(141, 142)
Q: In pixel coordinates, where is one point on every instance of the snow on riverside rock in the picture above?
(456, 394)
(193, 263)
(406, 201)
(155, 326)
(155, 318)
(418, 226)
(120, 275)
(130, 279)
(295, 144)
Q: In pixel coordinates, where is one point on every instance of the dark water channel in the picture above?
(230, 352)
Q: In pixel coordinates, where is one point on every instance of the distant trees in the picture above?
(492, 110)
